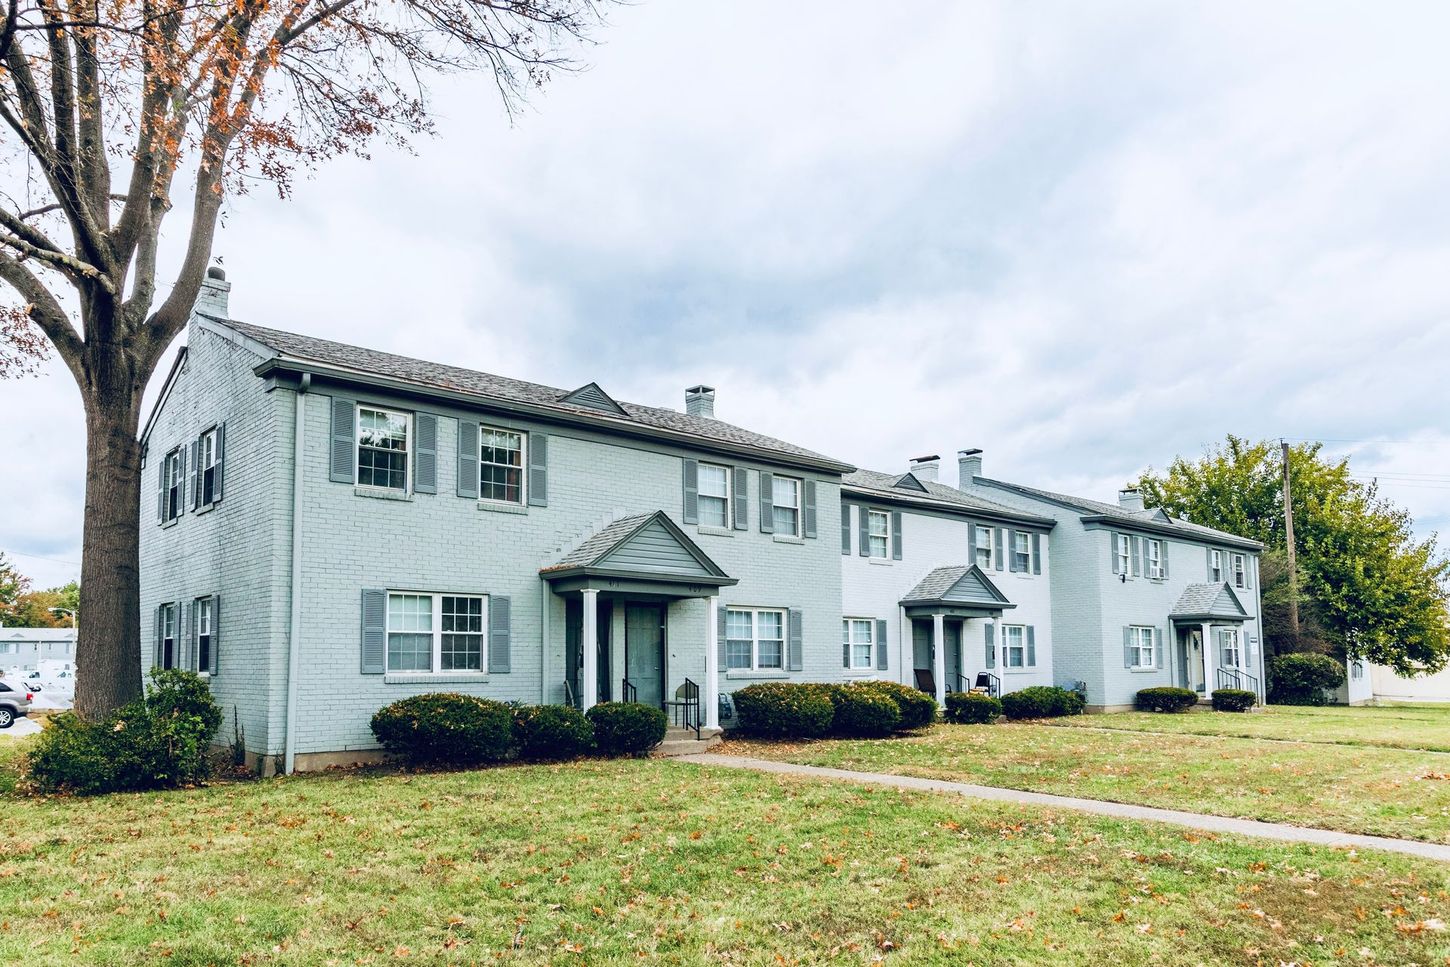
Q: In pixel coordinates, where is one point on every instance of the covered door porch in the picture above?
(950, 648)
(1209, 650)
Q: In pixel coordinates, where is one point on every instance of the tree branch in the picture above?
(45, 312)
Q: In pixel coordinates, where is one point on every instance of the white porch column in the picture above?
(939, 655)
(589, 652)
(711, 692)
(1209, 663)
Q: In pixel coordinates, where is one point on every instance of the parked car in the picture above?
(14, 702)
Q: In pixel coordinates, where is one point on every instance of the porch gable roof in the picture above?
(646, 548)
(964, 587)
(1209, 602)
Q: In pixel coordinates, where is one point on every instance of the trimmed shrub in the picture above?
(781, 710)
(626, 728)
(1233, 700)
(918, 709)
(1304, 678)
(1041, 702)
(972, 708)
(863, 712)
(545, 733)
(1166, 698)
(446, 727)
(159, 741)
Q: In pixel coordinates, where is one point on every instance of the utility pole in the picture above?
(1289, 542)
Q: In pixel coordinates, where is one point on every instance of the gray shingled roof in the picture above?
(940, 582)
(1210, 600)
(502, 388)
(601, 543)
(1146, 517)
(949, 497)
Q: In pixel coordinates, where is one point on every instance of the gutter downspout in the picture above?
(294, 632)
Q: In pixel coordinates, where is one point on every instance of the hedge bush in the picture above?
(446, 727)
(1233, 700)
(159, 741)
(1166, 698)
(626, 728)
(546, 733)
(1303, 679)
(972, 708)
(1041, 702)
(781, 710)
(860, 711)
(918, 709)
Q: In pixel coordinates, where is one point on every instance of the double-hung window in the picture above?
(435, 632)
(207, 459)
(205, 630)
(1215, 566)
(1241, 572)
(166, 615)
(1140, 647)
(1153, 555)
(382, 448)
(857, 637)
(1228, 648)
(878, 533)
(714, 495)
(1014, 646)
(175, 482)
(785, 505)
(754, 639)
(984, 547)
(1022, 551)
(1124, 553)
(500, 465)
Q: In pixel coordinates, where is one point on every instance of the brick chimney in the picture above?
(211, 301)
(700, 401)
(969, 465)
(1130, 499)
(925, 468)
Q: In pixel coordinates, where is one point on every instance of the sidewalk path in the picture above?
(1213, 824)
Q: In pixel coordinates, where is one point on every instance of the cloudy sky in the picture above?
(1084, 239)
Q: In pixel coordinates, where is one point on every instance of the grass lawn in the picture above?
(1360, 789)
(1395, 726)
(625, 862)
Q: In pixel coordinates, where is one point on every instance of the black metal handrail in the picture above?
(569, 697)
(961, 683)
(627, 691)
(1229, 678)
(687, 708)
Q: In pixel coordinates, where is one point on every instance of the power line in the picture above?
(37, 557)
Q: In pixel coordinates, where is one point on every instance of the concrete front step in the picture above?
(683, 742)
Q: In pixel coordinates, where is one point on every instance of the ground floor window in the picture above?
(1140, 647)
(1014, 646)
(205, 632)
(1228, 648)
(857, 639)
(166, 636)
(754, 639)
(435, 632)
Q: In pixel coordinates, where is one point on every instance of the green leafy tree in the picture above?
(13, 584)
(1366, 587)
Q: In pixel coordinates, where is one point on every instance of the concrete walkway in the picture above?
(1212, 824)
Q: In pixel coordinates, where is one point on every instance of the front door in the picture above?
(644, 652)
(954, 656)
(1190, 659)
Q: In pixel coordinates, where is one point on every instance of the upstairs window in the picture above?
(878, 534)
(208, 467)
(785, 500)
(500, 465)
(1022, 552)
(856, 637)
(754, 639)
(382, 448)
(173, 481)
(1215, 566)
(1241, 571)
(1124, 553)
(984, 548)
(1153, 559)
(714, 495)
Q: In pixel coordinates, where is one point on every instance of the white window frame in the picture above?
(206, 449)
(1153, 559)
(436, 631)
(1022, 551)
(523, 467)
(1124, 552)
(702, 496)
(169, 618)
(1230, 641)
(408, 438)
(756, 639)
(1215, 567)
(1019, 632)
(1356, 670)
(984, 547)
(872, 537)
(799, 486)
(1141, 642)
(853, 640)
(175, 486)
(1240, 565)
(205, 628)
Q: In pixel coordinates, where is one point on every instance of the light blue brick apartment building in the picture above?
(335, 528)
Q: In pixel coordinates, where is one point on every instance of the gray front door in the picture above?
(954, 654)
(644, 651)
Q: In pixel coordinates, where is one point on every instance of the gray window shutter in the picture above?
(863, 525)
(740, 505)
(720, 635)
(896, 535)
(1208, 562)
(1158, 639)
(971, 542)
(990, 638)
(374, 630)
(1012, 551)
(1000, 538)
(846, 644)
(156, 647)
(1031, 646)
(881, 662)
(1036, 553)
(1135, 555)
(425, 476)
(467, 484)
(193, 646)
(185, 469)
(1163, 557)
(499, 625)
(221, 461)
(690, 490)
(344, 439)
(213, 665)
(795, 640)
(767, 503)
(1113, 551)
(1127, 646)
(845, 528)
(538, 469)
(161, 489)
(810, 511)
(194, 480)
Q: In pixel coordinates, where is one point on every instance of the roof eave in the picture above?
(595, 571)
(1217, 537)
(937, 503)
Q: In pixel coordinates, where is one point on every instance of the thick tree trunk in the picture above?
(108, 648)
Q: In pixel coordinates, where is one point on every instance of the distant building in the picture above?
(23, 649)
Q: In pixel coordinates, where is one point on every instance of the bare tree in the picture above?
(104, 104)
